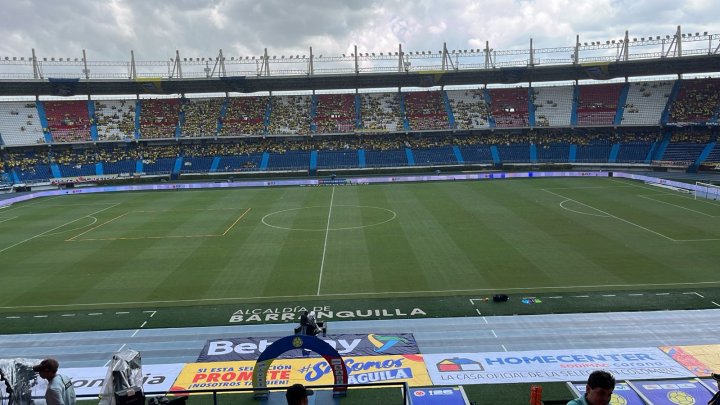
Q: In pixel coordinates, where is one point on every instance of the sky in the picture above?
(154, 29)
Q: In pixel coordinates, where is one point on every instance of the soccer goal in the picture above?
(707, 191)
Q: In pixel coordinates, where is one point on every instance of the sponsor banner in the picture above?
(622, 394)
(702, 360)
(84, 179)
(250, 348)
(440, 395)
(89, 380)
(550, 365)
(310, 371)
(673, 392)
(255, 314)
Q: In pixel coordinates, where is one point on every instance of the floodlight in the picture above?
(282, 56)
(658, 37)
(319, 56)
(634, 39)
(22, 58)
(585, 43)
(667, 36)
(274, 57)
(642, 39)
(608, 42)
(423, 52)
(381, 54)
(396, 53)
(52, 59)
(705, 33)
(343, 55)
(697, 34)
(44, 59)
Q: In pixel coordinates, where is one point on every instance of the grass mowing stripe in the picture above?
(327, 232)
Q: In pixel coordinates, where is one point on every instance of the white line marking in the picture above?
(698, 294)
(75, 229)
(7, 219)
(608, 295)
(716, 304)
(678, 206)
(556, 297)
(485, 320)
(68, 315)
(57, 227)
(40, 316)
(503, 346)
(368, 294)
(327, 232)
(135, 333)
(662, 294)
(152, 313)
(493, 332)
(95, 314)
(96, 227)
(635, 295)
(472, 300)
(478, 311)
(12, 317)
(581, 296)
(143, 324)
(121, 313)
(613, 216)
(579, 212)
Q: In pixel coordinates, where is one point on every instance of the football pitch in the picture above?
(171, 249)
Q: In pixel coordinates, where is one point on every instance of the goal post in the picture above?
(707, 191)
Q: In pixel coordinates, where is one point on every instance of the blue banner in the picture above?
(251, 348)
(440, 395)
(688, 392)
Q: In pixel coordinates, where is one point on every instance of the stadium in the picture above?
(467, 223)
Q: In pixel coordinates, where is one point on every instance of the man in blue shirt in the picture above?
(598, 390)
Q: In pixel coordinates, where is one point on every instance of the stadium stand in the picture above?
(469, 109)
(425, 110)
(115, 119)
(597, 104)
(200, 116)
(509, 107)
(697, 101)
(159, 118)
(290, 115)
(553, 106)
(685, 146)
(646, 102)
(244, 116)
(334, 113)
(28, 165)
(380, 112)
(20, 124)
(68, 121)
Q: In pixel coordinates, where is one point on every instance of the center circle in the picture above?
(315, 218)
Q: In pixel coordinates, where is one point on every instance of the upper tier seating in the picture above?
(697, 101)
(510, 107)
(646, 102)
(381, 112)
(597, 104)
(290, 115)
(68, 121)
(245, 116)
(469, 108)
(426, 110)
(20, 124)
(335, 113)
(115, 119)
(201, 116)
(159, 118)
(553, 106)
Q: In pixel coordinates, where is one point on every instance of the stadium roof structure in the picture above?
(677, 54)
(696, 64)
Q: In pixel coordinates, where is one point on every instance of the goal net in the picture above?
(707, 191)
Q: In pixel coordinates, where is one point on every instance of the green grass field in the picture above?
(212, 250)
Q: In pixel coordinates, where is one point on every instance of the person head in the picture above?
(47, 368)
(297, 394)
(599, 389)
